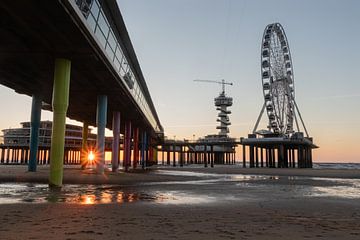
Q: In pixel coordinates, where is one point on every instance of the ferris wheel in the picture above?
(278, 79)
(278, 82)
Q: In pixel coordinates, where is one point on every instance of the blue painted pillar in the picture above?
(127, 145)
(34, 131)
(116, 139)
(101, 114)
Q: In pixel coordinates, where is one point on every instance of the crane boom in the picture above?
(222, 82)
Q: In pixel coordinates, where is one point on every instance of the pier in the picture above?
(180, 153)
(78, 62)
(277, 152)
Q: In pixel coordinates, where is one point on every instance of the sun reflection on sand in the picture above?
(236, 187)
(87, 199)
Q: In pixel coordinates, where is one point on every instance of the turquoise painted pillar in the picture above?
(34, 131)
(116, 139)
(60, 101)
(101, 114)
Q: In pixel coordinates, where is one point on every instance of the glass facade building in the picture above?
(108, 39)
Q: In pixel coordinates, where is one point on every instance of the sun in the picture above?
(91, 156)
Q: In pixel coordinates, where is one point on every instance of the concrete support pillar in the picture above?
(299, 157)
(181, 158)
(7, 155)
(261, 157)
(2, 155)
(212, 156)
(256, 157)
(101, 114)
(244, 156)
(174, 158)
(40, 156)
(252, 156)
(116, 141)
(84, 152)
(60, 101)
(293, 157)
(281, 157)
(162, 157)
(266, 157)
(11, 153)
(34, 131)
(168, 157)
(15, 155)
(305, 157)
(269, 158)
(22, 156)
(127, 146)
(205, 156)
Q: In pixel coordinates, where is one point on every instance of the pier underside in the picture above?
(278, 152)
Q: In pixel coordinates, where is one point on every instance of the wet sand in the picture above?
(72, 174)
(190, 204)
(276, 219)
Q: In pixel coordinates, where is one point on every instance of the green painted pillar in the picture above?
(84, 153)
(60, 101)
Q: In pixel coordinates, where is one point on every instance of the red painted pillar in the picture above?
(127, 145)
(136, 147)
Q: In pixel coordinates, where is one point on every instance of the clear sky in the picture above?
(177, 41)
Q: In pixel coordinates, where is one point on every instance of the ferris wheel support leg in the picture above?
(301, 119)
(259, 118)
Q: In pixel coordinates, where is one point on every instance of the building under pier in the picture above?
(15, 144)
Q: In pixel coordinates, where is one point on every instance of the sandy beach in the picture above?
(190, 203)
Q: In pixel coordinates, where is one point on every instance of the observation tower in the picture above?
(222, 102)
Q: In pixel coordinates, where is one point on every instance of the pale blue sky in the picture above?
(177, 41)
